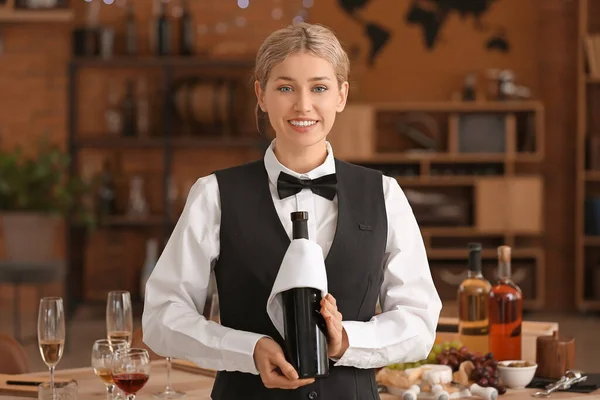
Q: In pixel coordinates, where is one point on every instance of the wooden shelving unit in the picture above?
(10, 14)
(117, 247)
(459, 194)
(587, 234)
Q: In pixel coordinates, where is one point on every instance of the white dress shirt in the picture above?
(176, 291)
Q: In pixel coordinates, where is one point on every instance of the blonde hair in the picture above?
(313, 38)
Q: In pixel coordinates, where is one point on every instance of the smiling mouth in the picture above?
(302, 123)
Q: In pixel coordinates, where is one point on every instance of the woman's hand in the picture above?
(338, 340)
(274, 369)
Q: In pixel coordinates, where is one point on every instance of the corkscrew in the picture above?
(571, 377)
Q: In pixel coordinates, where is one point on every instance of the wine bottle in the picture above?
(129, 111)
(163, 31)
(473, 300)
(506, 312)
(304, 326)
(186, 34)
(130, 31)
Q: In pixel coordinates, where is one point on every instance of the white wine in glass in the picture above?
(119, 319)
(51, 333)
(102, 356)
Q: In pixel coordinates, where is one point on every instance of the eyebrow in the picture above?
(316, 78)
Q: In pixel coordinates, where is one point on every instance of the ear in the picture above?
(343, 96)
(260, 96)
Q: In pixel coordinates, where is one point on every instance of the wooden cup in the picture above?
(554, 355)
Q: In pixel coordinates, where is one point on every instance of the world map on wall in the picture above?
(429, 16)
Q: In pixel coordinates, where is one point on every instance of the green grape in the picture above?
(446, 346)
(456, 344)
(437, 348)
(432, 356)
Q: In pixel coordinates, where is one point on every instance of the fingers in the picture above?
(287, 379)
(274, 380)
(286, 368)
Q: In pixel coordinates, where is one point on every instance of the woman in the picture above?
(237, 223)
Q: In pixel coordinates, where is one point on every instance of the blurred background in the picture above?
(486, 111)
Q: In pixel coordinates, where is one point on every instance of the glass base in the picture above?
(169, 394)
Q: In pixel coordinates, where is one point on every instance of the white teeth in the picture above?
(303, 123)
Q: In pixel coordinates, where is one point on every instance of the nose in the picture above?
(303, 102)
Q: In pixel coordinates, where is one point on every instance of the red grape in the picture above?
(483, 382)
(501, 389)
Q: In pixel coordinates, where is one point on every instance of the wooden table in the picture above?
(198, 387)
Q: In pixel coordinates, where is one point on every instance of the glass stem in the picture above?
(52, 382)
(109, 392)
(131, 397)
(168, 374)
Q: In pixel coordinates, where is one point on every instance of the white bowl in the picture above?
(516, 377)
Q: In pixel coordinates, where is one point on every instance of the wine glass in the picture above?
(102, 357)
(119, 319)
(130, 370)
(51, 333)
(169, 392)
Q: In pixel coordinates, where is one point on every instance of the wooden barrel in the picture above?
(206, 103)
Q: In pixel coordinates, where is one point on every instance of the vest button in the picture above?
(313, 395)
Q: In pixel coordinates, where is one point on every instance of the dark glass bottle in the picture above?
(106, 202)
(130, 31)
(304, 326)
(129, 111)
(186, 34)
(163, 32)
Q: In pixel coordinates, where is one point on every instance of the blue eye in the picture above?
(284, 89)
(320, 89)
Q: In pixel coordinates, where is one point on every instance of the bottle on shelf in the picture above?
(473, 309)
(304, 326)
(506, 311)
(162, 31)
(106, 201)
(131, 47)
(186, 31)
(129, 111)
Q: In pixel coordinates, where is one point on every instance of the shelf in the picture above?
(461, 106)
(462, 231)
(448, 180)
(108, 142)
(15, 15)
(591, 240)
(187, 142)
(125, 221)
(462, 254)
(414, 157)
(592, 176)
(168, 61)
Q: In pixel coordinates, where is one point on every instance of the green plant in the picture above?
(42, 183)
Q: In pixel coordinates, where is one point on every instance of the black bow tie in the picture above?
(325, 186)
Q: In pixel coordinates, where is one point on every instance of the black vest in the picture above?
(253, 243)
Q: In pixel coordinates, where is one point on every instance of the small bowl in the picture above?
(516, 377)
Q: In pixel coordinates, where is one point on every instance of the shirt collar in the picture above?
(274, 167)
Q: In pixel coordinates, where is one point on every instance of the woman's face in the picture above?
(302, 97)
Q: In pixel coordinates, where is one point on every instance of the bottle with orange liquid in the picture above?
(506, 311)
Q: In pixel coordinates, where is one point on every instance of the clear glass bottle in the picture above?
(473, 309)
(506, 311)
